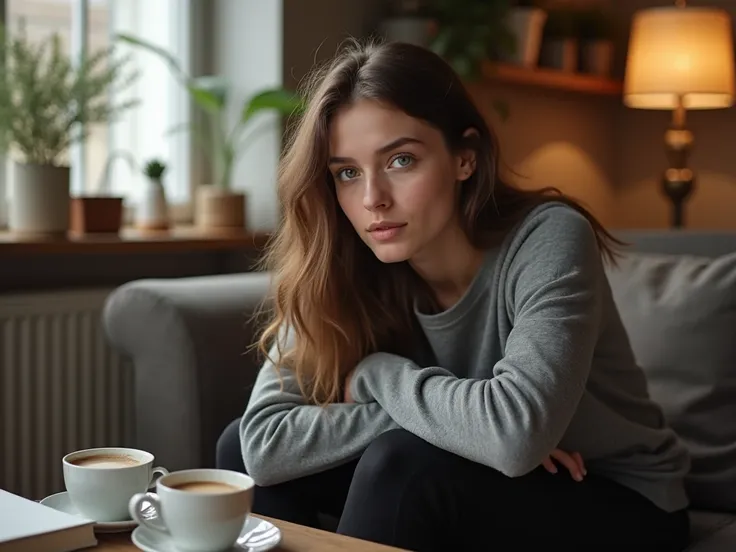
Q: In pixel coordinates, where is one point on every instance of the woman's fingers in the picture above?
(568, 462)
(549, 465)
(579, 460)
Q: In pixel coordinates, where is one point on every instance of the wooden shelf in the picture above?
(178, 239)
(551, 79)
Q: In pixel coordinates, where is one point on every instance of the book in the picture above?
(28, 526)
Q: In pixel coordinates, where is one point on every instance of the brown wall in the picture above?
(594, 148)
(557, 139)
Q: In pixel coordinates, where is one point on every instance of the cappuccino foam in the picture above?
(209, 487)
(106, 461)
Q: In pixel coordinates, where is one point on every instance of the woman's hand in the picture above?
(572, 461)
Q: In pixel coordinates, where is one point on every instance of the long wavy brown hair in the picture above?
(339, 302)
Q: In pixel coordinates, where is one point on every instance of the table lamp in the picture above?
(679, 58)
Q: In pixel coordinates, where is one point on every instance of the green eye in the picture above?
(402, 161)
(347, 174)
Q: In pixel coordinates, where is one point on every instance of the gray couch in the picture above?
(188, 339)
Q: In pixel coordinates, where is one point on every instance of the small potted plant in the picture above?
(46, 96)
(218, 206)
(152, 213)
(596, 35)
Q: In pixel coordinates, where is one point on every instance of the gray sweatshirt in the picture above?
(533, 357)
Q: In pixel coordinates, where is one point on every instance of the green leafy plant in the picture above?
(154, 169)
(223, 145)
(43, 95)
(471, 31)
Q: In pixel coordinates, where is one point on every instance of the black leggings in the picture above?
(410, 494)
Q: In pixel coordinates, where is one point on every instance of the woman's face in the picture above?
(396, 180)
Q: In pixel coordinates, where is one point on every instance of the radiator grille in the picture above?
(61, 387)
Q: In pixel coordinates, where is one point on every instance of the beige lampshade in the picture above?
(680, 52)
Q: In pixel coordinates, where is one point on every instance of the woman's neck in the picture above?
(449, 268)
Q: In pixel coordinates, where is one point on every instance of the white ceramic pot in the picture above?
(40, 200)
(152, 213)
(219, 209)
(413, 30)
(597, 57)
(527, 27)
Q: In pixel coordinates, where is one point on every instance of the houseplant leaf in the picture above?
(169, 59)
(278, 99)
(209, 92)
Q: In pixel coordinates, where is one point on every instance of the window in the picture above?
(144, 131)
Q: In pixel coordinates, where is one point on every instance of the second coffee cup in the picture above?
(201, 509)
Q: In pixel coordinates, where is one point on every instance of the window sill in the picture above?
(179, 214)
(181, 238)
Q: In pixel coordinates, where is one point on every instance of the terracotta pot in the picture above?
(219, 209)
(40, 204)
(96, 215)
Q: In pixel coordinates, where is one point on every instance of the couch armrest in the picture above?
(188, 339)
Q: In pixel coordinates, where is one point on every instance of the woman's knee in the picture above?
(390, 498)
(393, 458)
(229, 454)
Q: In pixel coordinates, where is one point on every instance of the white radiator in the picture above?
(61, 387)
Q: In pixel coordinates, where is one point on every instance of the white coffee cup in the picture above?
(200, 509)
(100, 481)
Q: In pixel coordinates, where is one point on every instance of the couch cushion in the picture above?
(680, 314)
(712, 532)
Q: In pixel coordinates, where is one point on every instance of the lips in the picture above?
(380, 226)
(383, 232)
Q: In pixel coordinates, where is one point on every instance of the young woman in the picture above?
(438, 334)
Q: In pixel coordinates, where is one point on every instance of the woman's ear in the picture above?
(465, 166)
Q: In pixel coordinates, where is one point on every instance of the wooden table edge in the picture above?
(295, 538)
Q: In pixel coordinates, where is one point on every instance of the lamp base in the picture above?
(678, 182)
(678, 185)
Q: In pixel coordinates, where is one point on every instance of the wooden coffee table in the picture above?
(294, 538)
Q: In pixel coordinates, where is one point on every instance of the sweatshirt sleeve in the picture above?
(284, 438)
(512, 421)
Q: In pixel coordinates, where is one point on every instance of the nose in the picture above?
(376, 195)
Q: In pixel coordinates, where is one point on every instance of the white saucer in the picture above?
(258, 535)
(62, 502)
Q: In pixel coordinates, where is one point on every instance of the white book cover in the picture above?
(26, 525)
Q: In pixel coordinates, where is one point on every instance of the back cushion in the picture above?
(680, 314)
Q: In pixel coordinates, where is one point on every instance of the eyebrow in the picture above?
(383, 149)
